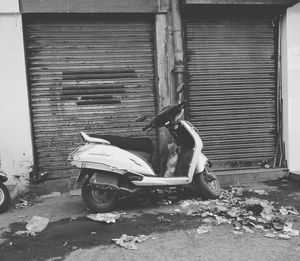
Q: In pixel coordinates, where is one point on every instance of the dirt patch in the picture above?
(64, 236)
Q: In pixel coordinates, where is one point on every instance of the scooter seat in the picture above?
(128, 143)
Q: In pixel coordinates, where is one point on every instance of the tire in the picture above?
(208, 189)
(98, 200)
(4, 198)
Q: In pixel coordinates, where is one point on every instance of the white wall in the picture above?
(291, 85)
(9, 6)
(15, 133)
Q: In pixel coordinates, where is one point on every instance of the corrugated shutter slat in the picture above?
(94, 75)
(232, 88)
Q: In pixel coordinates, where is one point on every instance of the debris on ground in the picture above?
(75, 193)
(164, 202)
(270, 235)
(25, 233)
(35, 225)
(106, 217)
(129, 242)
(22, 203)
(259, 191)
(51, 195)
(163, 219)
(245, 214)
(166, 196)
(203, 229)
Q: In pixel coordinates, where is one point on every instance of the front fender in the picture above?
(202, 160)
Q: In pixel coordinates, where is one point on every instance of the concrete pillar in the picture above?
(16, 155)
(291, 86)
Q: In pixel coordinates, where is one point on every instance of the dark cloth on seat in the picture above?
(128, 143)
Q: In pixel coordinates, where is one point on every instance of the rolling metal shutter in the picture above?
(232, 89)
(89, 74)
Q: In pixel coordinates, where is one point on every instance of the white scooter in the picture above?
(4, 194)
(113, 167)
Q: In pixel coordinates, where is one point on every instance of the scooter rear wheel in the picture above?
(4, 198)
(208, 189)
(98, 200)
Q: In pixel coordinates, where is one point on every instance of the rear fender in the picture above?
(105, 179)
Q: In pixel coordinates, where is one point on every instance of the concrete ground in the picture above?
(70, 235)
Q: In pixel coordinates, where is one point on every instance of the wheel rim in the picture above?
(2, 197)
(101, 197)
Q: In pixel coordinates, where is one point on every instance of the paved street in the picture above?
(172, 233)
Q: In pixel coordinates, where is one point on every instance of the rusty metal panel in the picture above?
(232, 88)
(88, 6)
(94, 75)
(240, 2)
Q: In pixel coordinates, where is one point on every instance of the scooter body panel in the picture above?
(197, 149)
(109, 158)
(161, 181)
(202, 160)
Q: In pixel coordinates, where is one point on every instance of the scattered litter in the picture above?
(283, 236)
(247, 229)
(93, 233)
(289, 230)
(270, 235)
(74, 218)
(238, 191)
(188, 202)
(37, 224)
(291, 210)
(23, 203)
(260, 192)
(129, 242)
(207, 220)
(283, 211)
(56, 258)
(238, 232)
(66, 243)
(75, 193)
(51, 195)
(25, 233)
(10, 243)
(245, 214)
(106, 217)
(177, 210)
(163, 219)
(221, 220)
(203, 229)
(278, 223)
(164, 202)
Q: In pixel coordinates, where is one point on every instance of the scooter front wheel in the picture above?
(208, 184)
(4, 197)
(97, 199)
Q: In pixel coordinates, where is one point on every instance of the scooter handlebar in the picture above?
(165, 115)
